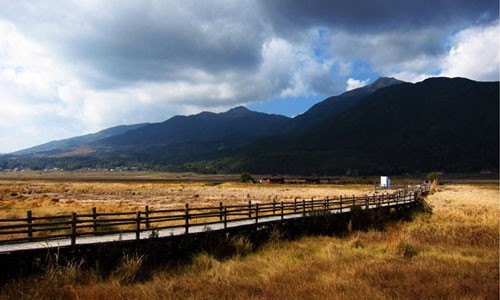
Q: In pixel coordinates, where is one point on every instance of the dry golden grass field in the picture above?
(57, 197)
(451, 253)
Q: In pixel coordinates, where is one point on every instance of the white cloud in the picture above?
(293, 69)
(355, 83)
(411, 76)
(30, 112)
(25, 67)
(474, 54)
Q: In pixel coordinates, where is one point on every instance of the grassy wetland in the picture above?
(449, 253)
(53, 195)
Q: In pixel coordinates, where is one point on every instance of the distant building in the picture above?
(312, 180)
(299, 180)
(385, 182)
(272, 180)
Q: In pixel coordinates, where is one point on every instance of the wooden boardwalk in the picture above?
(37, 233)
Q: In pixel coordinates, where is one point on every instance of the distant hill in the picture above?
(438, 124)
(66, 144)
(177, 140)
(232, 128)
(336, 105)
(205, 135)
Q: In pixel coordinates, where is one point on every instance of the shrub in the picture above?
(242, 245)
(204, 261)
(246, 177)
(406, 247)
(433, 177)
(128, 271)
(275, 237)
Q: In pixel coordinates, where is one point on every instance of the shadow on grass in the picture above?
(128, 262)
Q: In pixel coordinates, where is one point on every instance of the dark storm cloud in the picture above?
(117, 43)
(148, 40)
(390, 48)
(152, 47)
(377, 15)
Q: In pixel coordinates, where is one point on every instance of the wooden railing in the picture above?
(73, 226)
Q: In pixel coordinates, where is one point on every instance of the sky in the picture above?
(73, 67)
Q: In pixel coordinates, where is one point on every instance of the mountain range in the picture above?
(448, 124)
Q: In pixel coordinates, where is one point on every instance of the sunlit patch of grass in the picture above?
(57, 197)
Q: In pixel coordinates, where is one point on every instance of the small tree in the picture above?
(246, 177)
(433, 177)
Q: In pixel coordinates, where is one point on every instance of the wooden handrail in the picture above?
(97, 224)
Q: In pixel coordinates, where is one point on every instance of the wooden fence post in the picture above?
(29, 220)
(225, 217)
(353, 200)
(221, 209)
(256, 213)
(367, 202)
(312, 203)
(249, 209)
(186, 218)
(304, 207)
(274, 206)
(138, 225)
(282, 211)
(295, 205)
(73, 229)
(146, 215)
(340, 198)
(94, 218)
